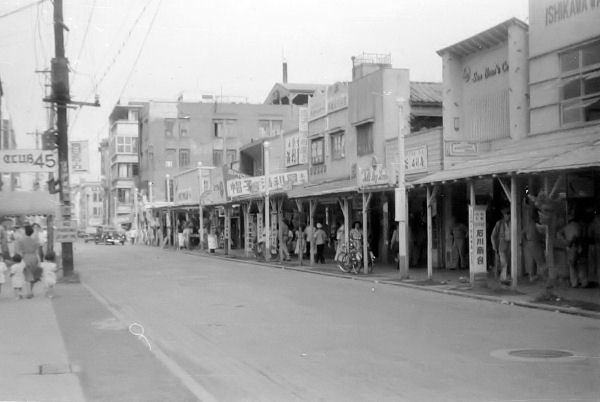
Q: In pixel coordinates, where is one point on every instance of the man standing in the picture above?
(320, 241)
(501, 243)
(572, 235)
(459, 244)
(308, 235)
(283, 247)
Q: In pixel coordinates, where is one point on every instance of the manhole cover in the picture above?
(536, 355)
(540, 353)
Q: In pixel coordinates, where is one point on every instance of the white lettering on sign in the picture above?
(372, 176)
(27, 160)
(416, 159)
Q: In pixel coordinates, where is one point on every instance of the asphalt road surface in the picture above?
(230, 331)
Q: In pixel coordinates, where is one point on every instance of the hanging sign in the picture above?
(477, 240)
(27, 160)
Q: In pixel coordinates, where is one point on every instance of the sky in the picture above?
(157, 49)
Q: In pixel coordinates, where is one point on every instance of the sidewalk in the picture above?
(561, 298)
(34, 364)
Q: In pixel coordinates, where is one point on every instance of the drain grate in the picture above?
(540, 353)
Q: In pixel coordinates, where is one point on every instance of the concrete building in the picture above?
(88, 200)
(119, 164)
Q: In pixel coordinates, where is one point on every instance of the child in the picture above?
(3, 270)
(17, 275)
(49, 273)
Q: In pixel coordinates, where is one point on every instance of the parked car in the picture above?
(112, 237)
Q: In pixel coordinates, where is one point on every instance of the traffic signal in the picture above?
(49, 140)
(53, 185)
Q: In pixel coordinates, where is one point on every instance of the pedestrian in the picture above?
(3, 270)
(501, 243)
(308, 238)
(49, 269)
(29, 247)
(356, 237)
(394, 244)
(339, 241)
(17, 275)
(533, 244)
(300, 242)
(320, 240)
(459, 233)
(4, 240)
(285, 237)
(572, 235)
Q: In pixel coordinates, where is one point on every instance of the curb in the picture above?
(558, 309)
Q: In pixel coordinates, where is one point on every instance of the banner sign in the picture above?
(477, 240)
(27, 160)
(257, 186)
(79, 156)
(186, 188)
(460, 148)
(372, 176)
(292, 149)
(285, 181)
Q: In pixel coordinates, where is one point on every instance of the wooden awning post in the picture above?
(300, 240)
(430, 197)
(312, 206)
(366, 199)
(514, 234)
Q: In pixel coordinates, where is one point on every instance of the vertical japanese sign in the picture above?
(303, 135)
(477, 240)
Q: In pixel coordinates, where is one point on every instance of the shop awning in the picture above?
(533, 154)
(585, 156)
(28, 203)
(330, 188)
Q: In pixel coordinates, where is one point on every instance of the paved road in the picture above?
(238, 332)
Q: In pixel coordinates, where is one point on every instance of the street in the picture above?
(237, 331)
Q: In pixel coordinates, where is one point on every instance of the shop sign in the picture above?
(303, 148)
(303, 119)
(372, 176)
(337, 97)
(66, 231)
(565, 9)
(477, 239)
(416, 159)
(292, 149)
(186, 187)
(79, 156)
(318, 169)
(489, 72)
(461, 148)
(247, 186)
(285, 181)
(27, 160)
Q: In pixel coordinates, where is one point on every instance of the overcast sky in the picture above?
(155, 49)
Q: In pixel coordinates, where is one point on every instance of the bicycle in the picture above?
(351, 261)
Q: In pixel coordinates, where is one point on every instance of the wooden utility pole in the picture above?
(61, 97)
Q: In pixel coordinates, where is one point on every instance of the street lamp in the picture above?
(401, 205)
(267, 250)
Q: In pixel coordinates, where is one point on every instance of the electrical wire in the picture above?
(85, 33)
(17, 10)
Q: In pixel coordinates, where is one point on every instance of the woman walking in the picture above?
(29, 247)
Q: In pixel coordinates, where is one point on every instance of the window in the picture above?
(95, 197)
(317, 154)
(124, 195)
(184, 157)
(127, 170)
(184, 129)
(169, 127)
(364, 139)
(170, 158)
(217, 157)
(127, 145)
(268, 128)
(223, 128)
(134, 115)
(231, 156)
(580, 92)
(337, 146)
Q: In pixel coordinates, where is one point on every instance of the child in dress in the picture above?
(3, 270)
(49, 273)
(17, 275)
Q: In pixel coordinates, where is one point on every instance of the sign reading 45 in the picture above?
(27, 160)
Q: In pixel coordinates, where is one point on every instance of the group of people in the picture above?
(27, 265)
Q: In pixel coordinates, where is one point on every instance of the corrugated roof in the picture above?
(314, 190)
(524, 156)
(484, 40)
(425, 92)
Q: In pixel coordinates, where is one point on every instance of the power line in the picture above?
(87, 28)
(25, 7)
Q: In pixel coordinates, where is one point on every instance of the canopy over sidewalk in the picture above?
(28, 203)
(530, 155)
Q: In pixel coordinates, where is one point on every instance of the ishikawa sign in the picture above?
(27, 160)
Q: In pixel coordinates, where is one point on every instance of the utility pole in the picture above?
(61, 96)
